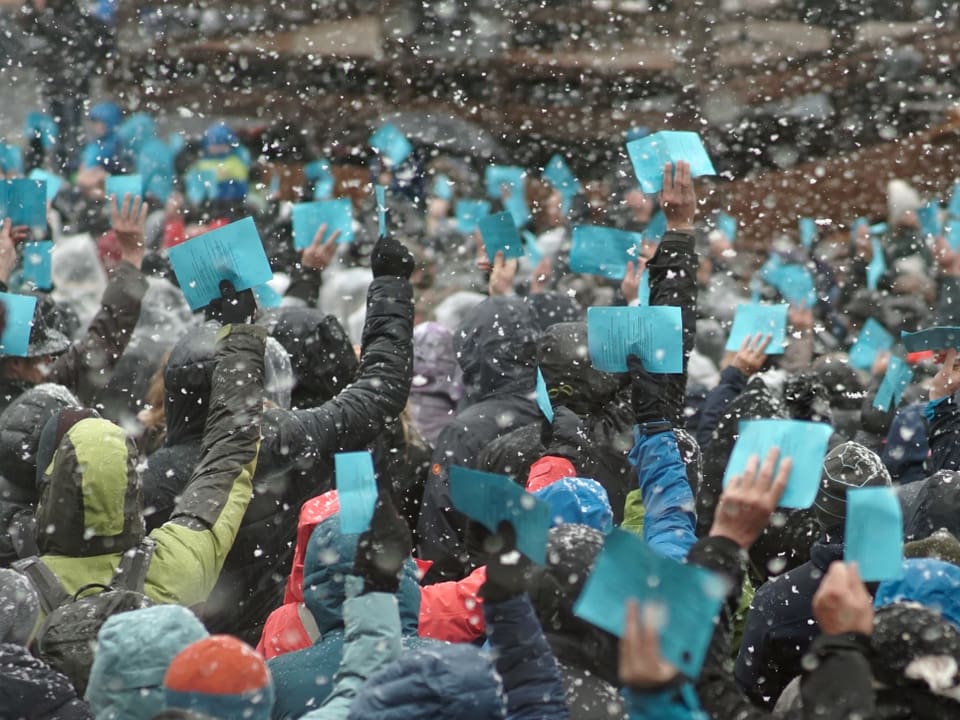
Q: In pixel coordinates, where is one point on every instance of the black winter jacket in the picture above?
(32, 690)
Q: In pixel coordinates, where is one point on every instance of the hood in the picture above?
(935, 584)
(219, 134)
(134, 650)
(19, 607)
(321, 354)
(580, 501)
(91, 499)
(450, 681)
(435, 368)
(931, 504)
(329, 559)
(312, 513)
(571, 379)
(496, 346)
(135, 131)
(109, 113)
(39, 687)
(553, 306)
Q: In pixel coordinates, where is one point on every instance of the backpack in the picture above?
(67, 637)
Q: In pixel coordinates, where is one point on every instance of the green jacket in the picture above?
(91, 507)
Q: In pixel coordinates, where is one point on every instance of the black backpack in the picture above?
(68, 636)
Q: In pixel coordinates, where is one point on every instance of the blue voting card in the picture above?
(38, 264)
(11, 159)
(727, 224)
(603, 251)
(879, 228)
(561, 177)
(857, 224)
(391, 144)
(808, 232)
(200, 185)
(686, 598)
(935, 338)
(24, 201)
(356, 490)
(118, 186)
(543, 397)
(156, 164)
(42, 126)
(500, 234)
(381, 194)
(953, 207)
(655, 334)
(495, 177)
(534, 253)
(895, 381)
(873, 537)
(804, 442)
(517, 206)
(15, 339)
(54, 182)
(233, 252)
(877, 265)
(929, 217)
(643, 294)
(267, 297)
(318, 173)
(656, 228)
(793, 281)
(468, 214)
(490, 499)
(443, 187)
(873, 338)
(309, 216)
(751, 319)
(651, 153)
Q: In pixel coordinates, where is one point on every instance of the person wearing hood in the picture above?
(437, 380)
(297, 449)
(943, 415)
(29, 688)
(103, 150)
(225, 162)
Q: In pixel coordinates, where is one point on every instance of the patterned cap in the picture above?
(847, 466)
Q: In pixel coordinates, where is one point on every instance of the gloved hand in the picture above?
(232, 306)
(509, 573)
(383, 548)
(646, 393)
(391, 257)
(564, 437)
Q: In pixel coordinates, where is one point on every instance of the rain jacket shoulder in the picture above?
(31, 689)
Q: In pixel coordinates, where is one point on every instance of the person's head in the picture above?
(222, 677)
(103, 119)
(848, 466)
(571, 379)
(45, 344)
(19, 608)
(219, 140)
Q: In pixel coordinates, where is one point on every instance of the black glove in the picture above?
(382, 550)
(391, 258)
(509, 573)
(564, 437)
(232, 306)
(647, 393)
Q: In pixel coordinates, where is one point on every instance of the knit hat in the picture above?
(19, 607)
(222, 677)
(847, 466)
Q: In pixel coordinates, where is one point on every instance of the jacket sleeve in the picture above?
(732, 383)
(841, 686)
(85, 366)
(356, 416)
(944, 434)
(669, 519)
(524, 660)
(453, 611)
(193, 544)
(370, 643)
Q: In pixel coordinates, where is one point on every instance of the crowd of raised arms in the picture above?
(431, 435)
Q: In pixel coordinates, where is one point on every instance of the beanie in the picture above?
(849, 465)
(19, 607)
(222, 677)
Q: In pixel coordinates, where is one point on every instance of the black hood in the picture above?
(553, 307)
(187, 381)
(496, 346)
(571, 378)
(931, 504)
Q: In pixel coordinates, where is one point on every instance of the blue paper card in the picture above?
(200, 186)
(309, 216)
(751, 319)
(54, 182)
(873, 338)
(895, 381)
(686, 598)
(381, 194)
(15, 339)
(468, 214)
(655, 334)
(24, 201)
(727, 224)
(793, 281)
(877, 265)
(517, 206)
(500, 234)
(38, 264)
(117, 186)
(267, 297)
(443, 187)
(391, 144)
(495, 177)
(561, 177)
(356, 490)
(804, 442)
(233, 252)
(935, 338)
(873, 536)
(11, 159)
(808, 232)
(543, 397)
(953, 207)
(643, 294)
(651, 153)
(879, 228)
(656, 228)
(490, 499)
(603, 251)
(929, 216)
(318, 172)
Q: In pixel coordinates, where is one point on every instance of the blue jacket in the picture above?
(932, 583)
(669, 522)
(303, 679)
(732, 383)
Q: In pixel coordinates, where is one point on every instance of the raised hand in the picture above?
(752, 354)
(630, 285)
(749, 500)
(842, 603)
(678, 197)
(8, 251)
(541, 276)
(319, 254)
(502, 275)
(129, 221)
(641, 664)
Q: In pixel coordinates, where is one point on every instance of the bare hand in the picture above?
(880, 363)
(946, 382)
(502, 275)
(678, 197)
(129, 221)
(8, 251)
(630, 286)
(319, 255)
(641, 664)
(483, 260)
(842, 603)
(752, 354)
(541, 275)
(748, 501)
(19, 234)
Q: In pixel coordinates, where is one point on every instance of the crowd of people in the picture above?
(170, 543)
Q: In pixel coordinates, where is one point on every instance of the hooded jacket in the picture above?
(496, 348)
(32, 690)
(944, 432)
(296, 454)
(437, 380)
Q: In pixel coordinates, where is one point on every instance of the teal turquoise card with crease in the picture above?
(654, 334)
(38, 264)
(603, 251)
(895, 381)
(495, 177)
(873, 338)
(649, 154)
(808, 232)
(15, 339)
(468, 214)
(500, 234)
(391, 144)
(24, 202)
(543, 397)
(356, 490)
(935, 338)
(309, 216)
(751, 319)
(873, 536)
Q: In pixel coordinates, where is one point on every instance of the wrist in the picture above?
(680, 226)
(134, 258)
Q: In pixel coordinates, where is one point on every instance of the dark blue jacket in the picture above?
(732, 383)
(944, 434)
